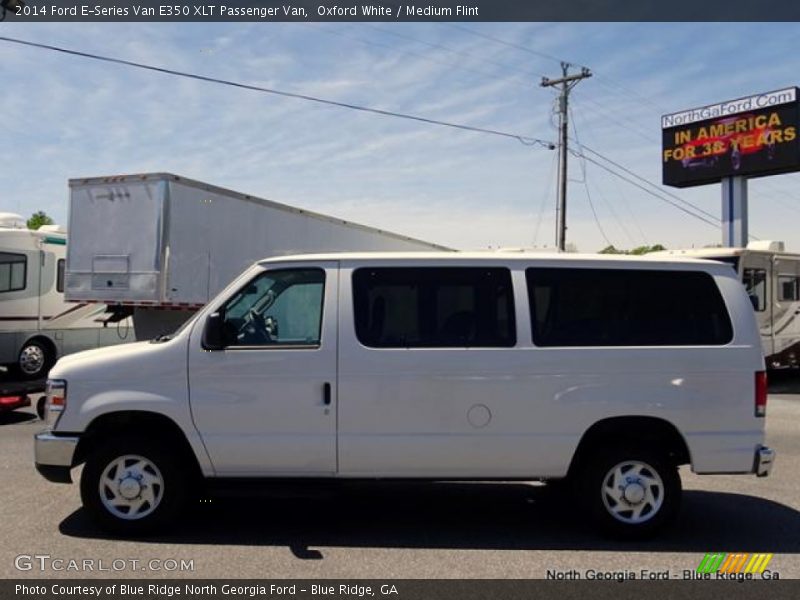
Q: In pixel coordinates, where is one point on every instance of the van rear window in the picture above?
(626, 307)
(430, 307)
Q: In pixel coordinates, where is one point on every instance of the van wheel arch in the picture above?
(141, 424)
(635, 431)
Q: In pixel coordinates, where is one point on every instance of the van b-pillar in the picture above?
(734, 212)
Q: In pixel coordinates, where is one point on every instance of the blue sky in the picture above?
(68, 117)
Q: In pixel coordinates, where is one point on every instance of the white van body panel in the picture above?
(406, 413)
(261, 410)
(143, 377)
(457, 413)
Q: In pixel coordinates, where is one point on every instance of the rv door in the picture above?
(786, 310)
(757, 278)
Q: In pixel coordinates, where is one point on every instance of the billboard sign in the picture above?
(752, 136)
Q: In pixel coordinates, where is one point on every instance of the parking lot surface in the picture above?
(401, 531)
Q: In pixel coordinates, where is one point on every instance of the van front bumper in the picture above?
(764, 459)
(54, 456)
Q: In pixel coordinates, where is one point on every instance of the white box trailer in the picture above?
(771, 277)
(161, 245)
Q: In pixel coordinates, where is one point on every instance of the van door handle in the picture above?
(326, 393)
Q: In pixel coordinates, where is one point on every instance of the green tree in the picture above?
(638, 251)
(38, 219)
(647, 249)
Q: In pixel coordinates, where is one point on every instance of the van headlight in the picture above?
(55, 401)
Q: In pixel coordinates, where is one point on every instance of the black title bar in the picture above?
(400, 10)
(402, 589)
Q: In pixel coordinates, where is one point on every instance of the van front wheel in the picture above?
(133, 486)
(630, 493)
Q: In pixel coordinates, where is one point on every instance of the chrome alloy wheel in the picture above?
(632, 492)
(31, 359)
(131, 487)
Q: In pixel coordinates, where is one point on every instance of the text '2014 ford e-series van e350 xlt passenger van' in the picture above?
(605, 372)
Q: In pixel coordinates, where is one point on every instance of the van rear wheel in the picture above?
(133, 486)
(630, 493)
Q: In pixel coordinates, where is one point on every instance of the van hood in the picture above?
(113, 361)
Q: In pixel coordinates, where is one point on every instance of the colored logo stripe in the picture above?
(735, 562)
(710, 563)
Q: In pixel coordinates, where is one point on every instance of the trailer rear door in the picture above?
(115, 249)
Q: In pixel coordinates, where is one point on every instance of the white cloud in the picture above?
(74, 117)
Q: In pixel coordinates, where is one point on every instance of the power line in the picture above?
(485, 36)
(585, 172)
(564, 85)
(611, 84)
(528, 141)
(545, 196)
(714, 223)
(606, 114)
(627, 92)
(512, 79)
(527, 75)
(640, 178)
(620, 196)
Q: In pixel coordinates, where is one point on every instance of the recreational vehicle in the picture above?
(771, 277)
(36, 324)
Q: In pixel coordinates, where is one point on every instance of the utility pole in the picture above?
(565, 83)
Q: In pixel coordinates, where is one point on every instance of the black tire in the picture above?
(173, 474)
(617, 516)
(29, 368)
(40, 407)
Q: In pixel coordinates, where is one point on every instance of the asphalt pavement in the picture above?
(484, 530)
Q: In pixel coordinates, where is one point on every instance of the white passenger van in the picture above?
(609, 372)
(36, 324)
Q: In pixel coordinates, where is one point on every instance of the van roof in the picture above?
(703, 252)
(497, 256)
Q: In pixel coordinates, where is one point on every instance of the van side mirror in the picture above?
(213, 338)
(753, 301)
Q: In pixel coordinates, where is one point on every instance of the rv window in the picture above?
(615, 307)
(277, 308)
(13, 268)
(755, 283)
(788, 288)
(60, 275)
(454, 307)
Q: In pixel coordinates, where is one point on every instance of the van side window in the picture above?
(282, 307)
(431, 307)
(13, 268)
(626, 307)
(755, 283)
(788, 288)
(60, 275)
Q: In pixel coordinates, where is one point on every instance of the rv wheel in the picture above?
(35, 360)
